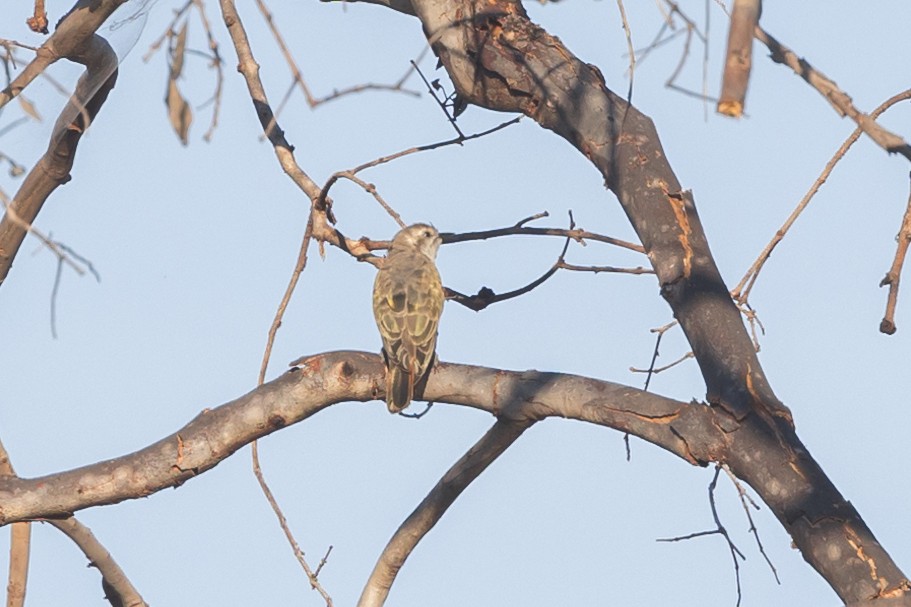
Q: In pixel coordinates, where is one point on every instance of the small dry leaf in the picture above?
(29, 108)
(179, 112)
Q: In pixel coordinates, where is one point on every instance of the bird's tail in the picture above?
(399, 388)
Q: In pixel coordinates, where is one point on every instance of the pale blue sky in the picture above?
(195, 245)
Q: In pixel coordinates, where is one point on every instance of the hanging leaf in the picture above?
(29, 108)
(179, 112)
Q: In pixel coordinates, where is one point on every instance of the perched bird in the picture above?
(407, 303)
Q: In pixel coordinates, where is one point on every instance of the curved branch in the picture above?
(491, 446)
(823, 525)
(73, 33)
(117, 587)
(325, 379)
(53, 169)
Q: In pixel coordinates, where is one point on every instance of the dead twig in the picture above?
(893, 276)
(739, 57)
(216, 63)
(486, 296)
(741, 292)
(629, 46)
(747, 502)
(298, 78)
(718, 530)
(451, 105)
(577, 235)
(610, 269)
(837, 98)
(322, 202)
(284, 151)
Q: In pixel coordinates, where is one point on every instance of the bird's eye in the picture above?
(427, 234)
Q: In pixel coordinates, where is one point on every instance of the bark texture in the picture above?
(498, 59)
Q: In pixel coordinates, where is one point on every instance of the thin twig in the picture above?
(448, 100)
(632, 53)
(836, 97)
(284, 151)
(322, 203)
(56, 248)
(579, 236)
(216, 63)
(610, 269)
(283, 523)
(657, 370)
(747, 502)
(741, 292)
(299, 266)
(718, 530)
(298, 78)
(168, 32)
(893, 276)
(486, 296)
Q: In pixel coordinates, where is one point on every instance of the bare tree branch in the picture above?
(498, 59)
(742, 291)
(893, 276)
(775, 464)
(68, 41)
(739, 58)
(493, 444)
(836, 97)
(117, 588)
(53, 169)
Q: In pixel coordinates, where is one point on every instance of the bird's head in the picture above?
(419, 237)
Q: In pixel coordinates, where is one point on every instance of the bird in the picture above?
(407, 304)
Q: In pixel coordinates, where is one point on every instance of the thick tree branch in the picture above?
(326, 379)
(498, 59)
(823, 525)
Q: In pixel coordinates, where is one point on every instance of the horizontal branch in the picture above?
(824, 526)
(330, 378)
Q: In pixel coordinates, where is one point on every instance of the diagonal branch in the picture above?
(118, 589)
(498, 59)
(836, 97)
(72, 35)
(492, 445)
(53, 169)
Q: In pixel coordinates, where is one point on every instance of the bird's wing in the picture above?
(408, 301)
